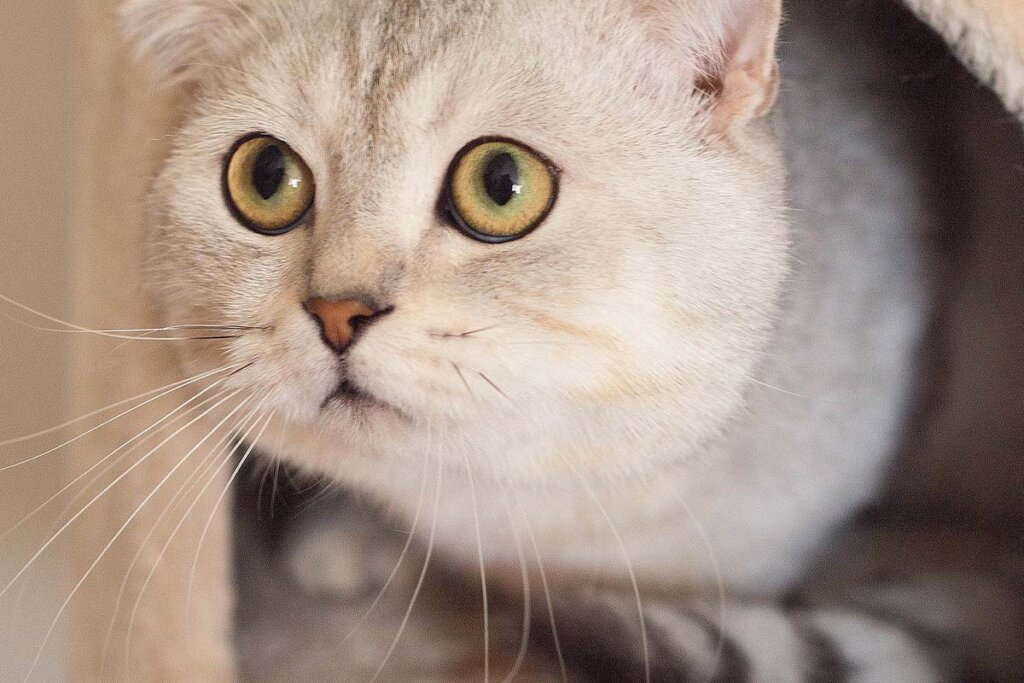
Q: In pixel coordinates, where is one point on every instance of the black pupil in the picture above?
(268, 171)
(501, 178)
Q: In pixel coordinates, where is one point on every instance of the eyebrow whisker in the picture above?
(462, 335)
(493, 385)
(479, 331)
(462, 376)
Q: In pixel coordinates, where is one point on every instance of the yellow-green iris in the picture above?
(268, 185)
(500, 190)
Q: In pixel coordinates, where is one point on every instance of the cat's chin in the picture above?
(349, 401)
(348, 394)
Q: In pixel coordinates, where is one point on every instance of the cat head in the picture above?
(533, 235)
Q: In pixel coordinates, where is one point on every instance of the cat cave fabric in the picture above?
(988, 35)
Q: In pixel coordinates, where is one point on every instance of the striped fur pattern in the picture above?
(855, 622)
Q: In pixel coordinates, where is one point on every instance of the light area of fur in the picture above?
(989, 36)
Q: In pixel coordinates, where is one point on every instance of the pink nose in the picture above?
(339, 320)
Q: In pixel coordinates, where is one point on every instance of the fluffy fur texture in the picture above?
(667, 356)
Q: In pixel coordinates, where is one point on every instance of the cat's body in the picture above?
(674, 382)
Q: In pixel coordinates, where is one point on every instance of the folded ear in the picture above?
(729, 46)
(184, 37)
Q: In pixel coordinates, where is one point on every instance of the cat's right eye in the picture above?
(268, 187)
(499, 190)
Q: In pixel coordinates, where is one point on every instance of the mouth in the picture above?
(349, 394)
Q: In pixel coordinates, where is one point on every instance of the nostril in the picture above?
(341, 321)
(359, 322)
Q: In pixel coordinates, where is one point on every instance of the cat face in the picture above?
(524, 234)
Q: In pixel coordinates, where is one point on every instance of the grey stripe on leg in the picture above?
(602, 646)
(825, 662)
(733, 663)
(603, 642)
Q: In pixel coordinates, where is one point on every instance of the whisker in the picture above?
(717, 566)
(142, 439)
(463, 335)
(51, 318)
(277, 455)
(228, 452)
(117, 535)
(696, 350)
(524, 642)
(241, 369)
(483, 570)
(202, 470)
(220, 500)
(98, 333)
(420, 581)
(327, 489)
(545, 586)
(147, 333)
(401, 557)
(110, 486)
(138, 439)
(493, 385)
(125, 344)
(100, 411)
(111, 420)
(473, 333)
(267, 471)
(785, 392)
(274, 488)
(629, 567)
(462, 376)
(192, 327)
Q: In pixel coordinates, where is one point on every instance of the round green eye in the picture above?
(500, 190)
(269, 187)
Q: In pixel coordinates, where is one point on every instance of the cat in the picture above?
(523, 274)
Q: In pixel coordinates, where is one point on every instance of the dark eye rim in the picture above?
(233, 208)
(449, 209)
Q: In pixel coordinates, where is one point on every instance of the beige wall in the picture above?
(36, 170)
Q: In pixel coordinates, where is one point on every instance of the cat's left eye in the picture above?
(268, 186)
(500, 190)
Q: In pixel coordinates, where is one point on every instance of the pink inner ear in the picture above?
(744, 82)
(751, 32)
(727, 48)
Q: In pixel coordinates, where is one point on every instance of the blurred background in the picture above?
(37, 152)
(983, 421)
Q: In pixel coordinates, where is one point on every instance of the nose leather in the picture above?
(339, 320)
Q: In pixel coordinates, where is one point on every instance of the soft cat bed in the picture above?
(988, 35)
(955, 143)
